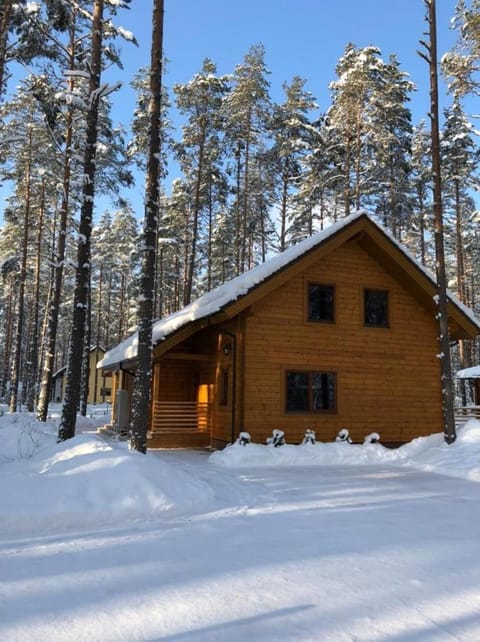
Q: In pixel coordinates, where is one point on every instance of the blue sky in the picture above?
(301, 37)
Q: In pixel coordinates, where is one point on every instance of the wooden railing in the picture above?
(464, 413)
(179, 416)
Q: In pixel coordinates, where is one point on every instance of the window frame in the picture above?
(307, 302)
(310, 374)
(387, 307)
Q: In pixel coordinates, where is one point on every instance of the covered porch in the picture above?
(183, 400)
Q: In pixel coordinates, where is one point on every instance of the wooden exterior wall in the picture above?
(104, 381)
(388, 379)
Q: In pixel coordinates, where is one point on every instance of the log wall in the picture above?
(388, 379)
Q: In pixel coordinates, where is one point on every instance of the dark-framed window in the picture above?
(224, 385)
(375, 308)
(321, 302)
(310, 391)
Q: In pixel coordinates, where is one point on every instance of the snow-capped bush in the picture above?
(372, 438)
(344, 435)
(277, 438)
(309, 437)
(244, 438)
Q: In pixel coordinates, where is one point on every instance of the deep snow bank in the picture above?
(83, 482)
(461, 459)
(88, 482)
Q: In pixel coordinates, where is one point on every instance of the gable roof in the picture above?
(229, 299)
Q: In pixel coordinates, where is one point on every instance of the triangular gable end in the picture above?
(229, 299)
(378, 244)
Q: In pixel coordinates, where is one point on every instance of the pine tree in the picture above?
(200, 151)
(460, 165)
(322, 178)
(460, 176)
(442, 297)
(82, 283)
(354, 94)
(293, 136)
(461, 64)
(27, 150)
(247, 113)
(391, 145)
(142, 392)
(417, 238)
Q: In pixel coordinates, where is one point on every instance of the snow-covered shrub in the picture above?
(372, 438)
(244, 438)
(277, 438)
(309, 437)
(344, 435)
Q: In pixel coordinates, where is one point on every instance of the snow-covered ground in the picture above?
(324, 542)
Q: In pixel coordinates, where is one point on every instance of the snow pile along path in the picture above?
(461, 459)
(83, 482)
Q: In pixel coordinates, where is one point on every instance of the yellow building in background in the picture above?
(99, 384)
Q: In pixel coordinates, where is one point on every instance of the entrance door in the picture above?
(202, 399)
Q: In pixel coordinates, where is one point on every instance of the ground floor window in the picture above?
(308, 391)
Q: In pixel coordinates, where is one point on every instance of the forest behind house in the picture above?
(242, 177)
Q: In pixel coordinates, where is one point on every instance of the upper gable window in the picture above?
(375, 308)
(321, 302)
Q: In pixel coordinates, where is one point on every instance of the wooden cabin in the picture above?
(99, 384)
(336, 332)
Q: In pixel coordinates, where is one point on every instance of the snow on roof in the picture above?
(58, 372)
(469, 373)
(230, 291)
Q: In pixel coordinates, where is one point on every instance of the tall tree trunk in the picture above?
(461, 289)
(245, 195)
(82, 278)
(23, 278)
(98, 336)
(442, 300)
(4, 27)
(210, 234)
(31, 379)
(87, 341)
(347, 189)
(423, 253)
(238, 223)
(7, 349)
(283, 213)
(59, 262)
(358, 161)
(187, 295)
(142, 387)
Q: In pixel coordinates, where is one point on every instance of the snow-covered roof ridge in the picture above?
(215, 300)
